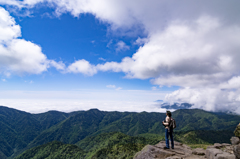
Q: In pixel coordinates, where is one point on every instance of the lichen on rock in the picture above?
(237, 131)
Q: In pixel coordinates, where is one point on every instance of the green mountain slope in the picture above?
(195, 119)
(53, 150)
(136, 123)
(18, 128)
(93, 122)
(118, 145)
(204, 136)
(77, 127)
(114, 145)
(107, 145)
(187, 119)
(50, 118)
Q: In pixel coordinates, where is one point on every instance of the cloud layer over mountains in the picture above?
(191, 44)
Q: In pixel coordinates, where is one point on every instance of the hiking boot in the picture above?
(166, 147)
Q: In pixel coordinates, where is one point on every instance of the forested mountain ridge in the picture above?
(106, 145)
(116, 145)
(20, 130)
(95, 122)
(53, 150)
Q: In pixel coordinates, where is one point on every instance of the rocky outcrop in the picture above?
(236, 142)
(220, 151)
(236, 150)
(226, 151)
(199, 151)
(179, 152)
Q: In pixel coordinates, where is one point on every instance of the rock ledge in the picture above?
(182, 151)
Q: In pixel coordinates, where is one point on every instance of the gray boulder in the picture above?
(220, 151)
(151, 152)
(236, 150)
(225, 156)
(199, 151)
(211, 153)
(235, 140)
(218, 146)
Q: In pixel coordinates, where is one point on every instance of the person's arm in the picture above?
(167, 121)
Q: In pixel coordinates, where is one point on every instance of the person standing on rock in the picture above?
(168, 130)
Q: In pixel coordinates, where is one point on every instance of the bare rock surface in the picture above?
(199, 151)
(236, 150)
(235, 140)
(157, 151)
(182, 151)
(217, 145)
(149, 152)
(220, 151)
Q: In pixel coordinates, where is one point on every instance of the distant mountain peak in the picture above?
(176, 106)
(94, 109)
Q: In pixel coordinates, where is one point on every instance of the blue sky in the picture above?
(117, 55)
(67, 38)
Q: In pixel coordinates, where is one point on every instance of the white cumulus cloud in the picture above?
(191, 44)
(82, 66)
(211, 99)
(122, 46)
(18, 55)
(198, 52)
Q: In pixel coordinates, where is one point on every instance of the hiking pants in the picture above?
(167, 134)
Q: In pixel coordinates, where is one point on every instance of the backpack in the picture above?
(172, 123)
